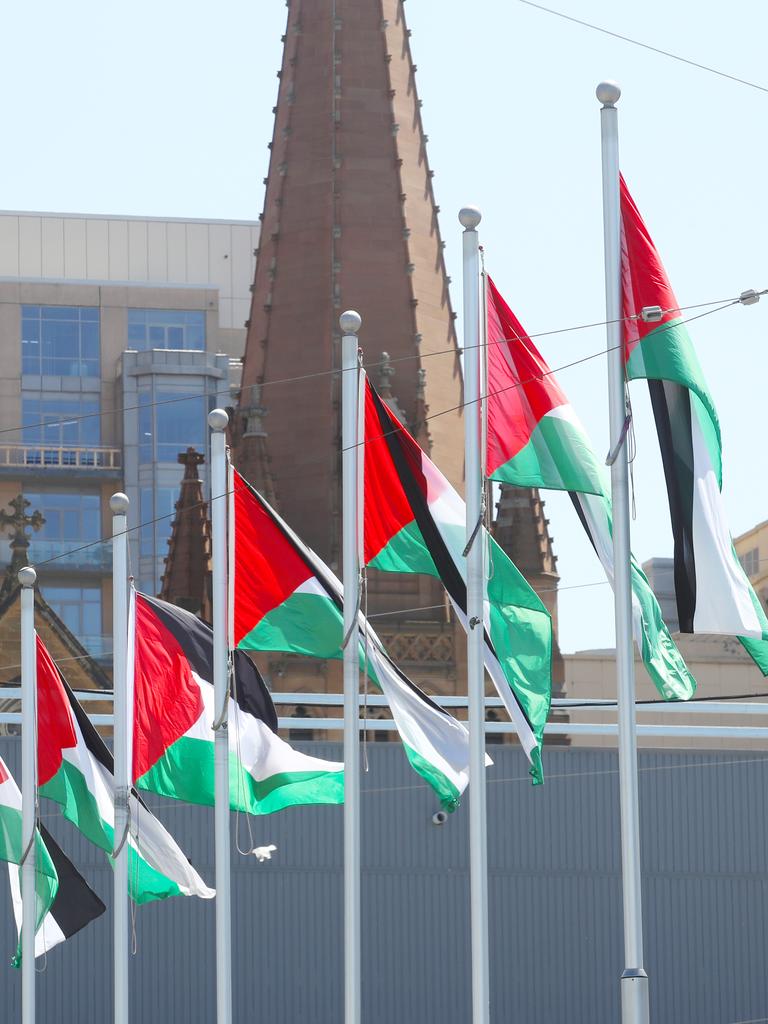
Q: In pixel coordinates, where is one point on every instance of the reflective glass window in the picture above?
(60, 420)
(170, 421)
(79, 607)
(166, 328)
(68, 516)
(60, 341)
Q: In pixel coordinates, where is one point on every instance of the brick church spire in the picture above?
(349, 221)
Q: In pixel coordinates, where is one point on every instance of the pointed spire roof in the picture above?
(187, 578)
(349, 221)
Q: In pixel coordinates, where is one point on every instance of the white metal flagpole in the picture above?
(469, 218)
(118, 504)
(634, 980)
(217, 421)
(350, 323)
(27, 578)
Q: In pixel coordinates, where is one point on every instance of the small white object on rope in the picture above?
(262, 853)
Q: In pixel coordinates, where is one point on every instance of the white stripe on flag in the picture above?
(723, 601)
(48, 934)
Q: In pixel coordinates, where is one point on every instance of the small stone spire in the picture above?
(386, 373)
(421, 415)
(187, 578)
(387, 395)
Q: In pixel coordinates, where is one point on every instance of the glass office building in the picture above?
(118, 336)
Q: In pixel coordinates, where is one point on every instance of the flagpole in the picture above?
(118, 504)
(218, 421)
(469, 218)
(634, 980)
(350, 323)
(27, 578)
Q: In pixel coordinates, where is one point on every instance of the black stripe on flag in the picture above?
(95, 745)
(76, 904)
(447, 569)
(575, 498)
(195, 638)
(672, 411)
(449, 573)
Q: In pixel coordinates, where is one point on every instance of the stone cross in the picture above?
(19, 520)
(190, 459)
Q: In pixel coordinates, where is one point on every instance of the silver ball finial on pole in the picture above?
(119, 503)
(218, 419)
(27, 576)
(608, 93)
(350, 322)
(469, 217)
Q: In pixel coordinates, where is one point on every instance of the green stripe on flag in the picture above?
(405, 552)
(447, 793)
(10, 834)
(145, 883)
(186, 772)
(559, 456)
(667, 353)
(308, 624)
(69, 789)
(46, 879)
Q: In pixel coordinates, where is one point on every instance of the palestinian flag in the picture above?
(287, 599)
(713, 592)
(415, 522)
(75, 769)
(74, 906)
(12, 846)
(536, 440)
(173, 742)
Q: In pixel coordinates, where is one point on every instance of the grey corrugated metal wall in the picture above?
(555, 899)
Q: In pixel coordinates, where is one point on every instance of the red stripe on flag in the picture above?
(4, 773)
(268, 568)
(387, 509)
(167, 700)
(521, 389)
(55, 731)
(644, 280)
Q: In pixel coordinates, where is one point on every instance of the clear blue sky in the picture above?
(165, 109)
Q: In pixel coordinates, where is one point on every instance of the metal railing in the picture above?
(21, 456)
(757, 732)
(71, 554)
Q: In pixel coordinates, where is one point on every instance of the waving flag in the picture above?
(415, 522)
(12, 845)
(712, 590)
(287, 599)
(74, 906)
(173, 742)
(536, 440)
(75, 769)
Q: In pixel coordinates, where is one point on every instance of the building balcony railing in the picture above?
(64, 554)
(44, 457)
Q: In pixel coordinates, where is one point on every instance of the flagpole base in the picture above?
(634, 996)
